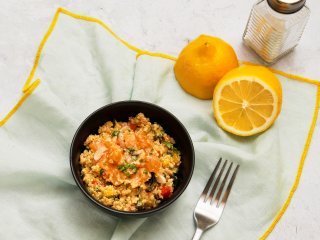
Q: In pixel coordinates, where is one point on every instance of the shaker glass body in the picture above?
(272, 34)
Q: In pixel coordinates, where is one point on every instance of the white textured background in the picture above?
(166, 26)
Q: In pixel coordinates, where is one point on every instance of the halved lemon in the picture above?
(247, 100)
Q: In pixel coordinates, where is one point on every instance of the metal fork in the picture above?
(210, 205)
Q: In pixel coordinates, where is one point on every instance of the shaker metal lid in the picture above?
(286, 6)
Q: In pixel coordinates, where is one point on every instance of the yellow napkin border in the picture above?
(30, 86)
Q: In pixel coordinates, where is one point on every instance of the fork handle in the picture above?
(197, 234)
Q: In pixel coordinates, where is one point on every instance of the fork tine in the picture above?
(217, 182)
(226, 194)
(216, 200)
(206, 189)
(207, 215)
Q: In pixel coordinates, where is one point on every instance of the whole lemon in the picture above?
(202, 63)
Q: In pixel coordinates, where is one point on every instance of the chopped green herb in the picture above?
(134, 158)
(145, 171)
(115, 133)
(133, 167)
(114, 122)
(101, 172)
(175, 150)
(125, 167)
(121, 168)
(131, 151)
(168, 144)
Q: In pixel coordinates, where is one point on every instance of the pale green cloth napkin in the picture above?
(83, 67)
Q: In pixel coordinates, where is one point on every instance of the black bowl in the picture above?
(121, 111)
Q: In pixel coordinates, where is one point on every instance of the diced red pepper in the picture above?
(166, 191)
(132, 126)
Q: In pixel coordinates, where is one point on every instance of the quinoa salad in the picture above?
(130, 166)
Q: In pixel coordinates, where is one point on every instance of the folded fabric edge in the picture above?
(26, 94)
(39, 51)
(288, 75)
(29, 87)
(140, 52)
(301, 165)
(91, 19)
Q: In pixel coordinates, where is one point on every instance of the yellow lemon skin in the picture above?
(202, 63)
(247, 100)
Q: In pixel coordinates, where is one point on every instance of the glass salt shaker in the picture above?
(275, 27)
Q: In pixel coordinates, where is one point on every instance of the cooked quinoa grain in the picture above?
(130, 166)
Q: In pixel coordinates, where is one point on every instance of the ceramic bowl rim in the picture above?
(142, 213)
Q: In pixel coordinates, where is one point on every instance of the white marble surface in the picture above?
(166, 26)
